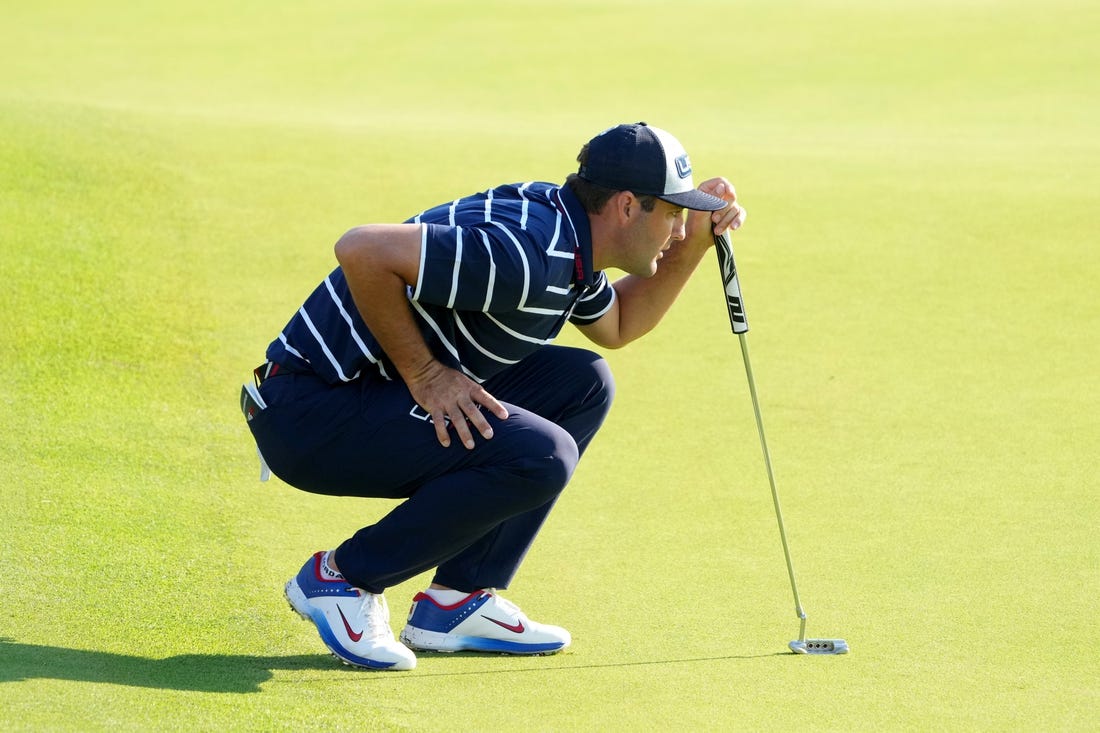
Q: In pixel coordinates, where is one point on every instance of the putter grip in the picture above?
(734, 305)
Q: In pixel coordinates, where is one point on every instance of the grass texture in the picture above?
(919, 267)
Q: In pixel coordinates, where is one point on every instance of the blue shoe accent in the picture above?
(431, 616)
(333, 644)
(314, 582)
(500, 646)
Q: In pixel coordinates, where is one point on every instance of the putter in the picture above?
(740, 325)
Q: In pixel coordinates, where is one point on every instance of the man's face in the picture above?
(651, 233)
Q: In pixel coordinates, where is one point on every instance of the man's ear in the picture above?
(626, 205)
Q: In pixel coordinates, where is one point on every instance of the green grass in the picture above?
(919, 269)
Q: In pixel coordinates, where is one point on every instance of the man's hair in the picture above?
(593, 197)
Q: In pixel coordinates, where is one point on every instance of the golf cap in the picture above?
(646, 161)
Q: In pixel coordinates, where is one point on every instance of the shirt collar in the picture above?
(576, 222)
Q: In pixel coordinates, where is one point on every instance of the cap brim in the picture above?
(695, 199)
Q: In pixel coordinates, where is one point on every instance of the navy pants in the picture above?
(471, 514)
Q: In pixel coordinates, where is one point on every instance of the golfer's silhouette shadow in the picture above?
(192, 672)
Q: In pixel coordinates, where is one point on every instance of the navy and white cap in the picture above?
(646, 161)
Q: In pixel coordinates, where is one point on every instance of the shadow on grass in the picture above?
(427, 665)
(573, 667)
(240, 673)
(193, 672)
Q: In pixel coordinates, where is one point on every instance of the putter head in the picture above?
(819, 646)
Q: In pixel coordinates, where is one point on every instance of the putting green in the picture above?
(919, 273)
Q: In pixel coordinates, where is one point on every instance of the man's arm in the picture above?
(379, 261)
(641, 302)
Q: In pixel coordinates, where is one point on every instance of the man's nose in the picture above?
(678, 230)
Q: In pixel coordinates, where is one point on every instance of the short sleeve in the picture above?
(595, 302)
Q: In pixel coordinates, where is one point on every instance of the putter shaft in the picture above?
(771, 481)
(739, 324)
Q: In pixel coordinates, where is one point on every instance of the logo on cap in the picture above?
(683, 166)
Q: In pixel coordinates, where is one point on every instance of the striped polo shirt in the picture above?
(500, 273)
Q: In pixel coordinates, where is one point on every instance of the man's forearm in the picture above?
(643, 302)
(384, 307)
(378, 267)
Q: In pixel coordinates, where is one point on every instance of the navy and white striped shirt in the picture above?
(500, 273)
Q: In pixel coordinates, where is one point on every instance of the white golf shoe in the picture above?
(481, 622)
(353, 624)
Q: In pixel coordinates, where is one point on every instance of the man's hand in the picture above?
(447, 394)
(380, 261)
(731, 217)
(643, 301)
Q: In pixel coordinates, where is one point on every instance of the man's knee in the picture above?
(586, 408)
(591, 375)
(543, 458)
(603, 381)
(588, 367)
(551, 467)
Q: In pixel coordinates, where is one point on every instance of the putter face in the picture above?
(819, 646)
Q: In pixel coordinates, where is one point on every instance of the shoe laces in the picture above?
(504, 604)
(375, 613)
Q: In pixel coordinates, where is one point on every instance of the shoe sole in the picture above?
(437, 641)
(300, 605)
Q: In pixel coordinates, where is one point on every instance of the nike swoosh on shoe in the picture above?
(514, 628)
(352, 634)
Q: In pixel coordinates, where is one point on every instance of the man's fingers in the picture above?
(485, 399)
(440, 423)
(462, 419)
(457, 404)
(732, 217)
(462, 427)
(480, 424)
